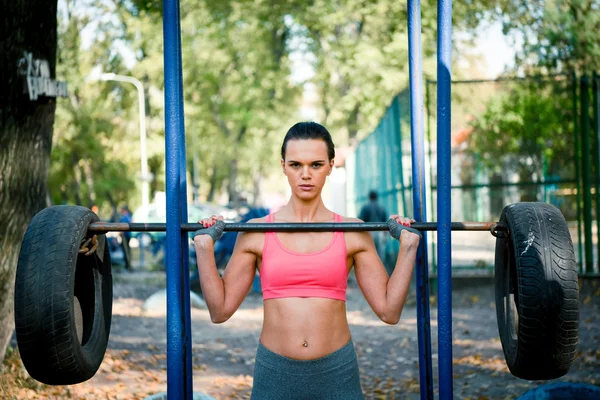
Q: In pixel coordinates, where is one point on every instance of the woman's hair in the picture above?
(306, 131)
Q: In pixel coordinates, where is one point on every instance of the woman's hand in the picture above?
(410, 236)
(213, 230)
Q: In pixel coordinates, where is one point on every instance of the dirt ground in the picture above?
(135, 363)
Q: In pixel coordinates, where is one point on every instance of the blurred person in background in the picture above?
(374, 212)
(125, 237)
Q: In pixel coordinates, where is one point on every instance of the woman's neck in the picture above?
(297, 210)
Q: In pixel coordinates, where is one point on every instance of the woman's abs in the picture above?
(304, 328)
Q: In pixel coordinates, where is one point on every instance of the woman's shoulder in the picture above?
(252, 241)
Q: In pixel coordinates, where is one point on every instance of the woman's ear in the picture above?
(283, 165)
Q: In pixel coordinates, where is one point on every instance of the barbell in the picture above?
(102, 227)
(63, 291)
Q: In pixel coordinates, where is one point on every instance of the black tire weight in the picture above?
(63, 299)
(537, 292)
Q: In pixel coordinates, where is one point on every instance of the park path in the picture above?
(135, 364)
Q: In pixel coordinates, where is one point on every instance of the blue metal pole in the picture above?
(444, 166)
(185, 250)
(178, 341)
(418, 173)
(185, 293)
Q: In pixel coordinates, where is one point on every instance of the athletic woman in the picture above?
(305, 349)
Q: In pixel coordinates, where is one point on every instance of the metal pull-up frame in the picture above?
(179, 338)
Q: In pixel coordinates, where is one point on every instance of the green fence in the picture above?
(512, 140)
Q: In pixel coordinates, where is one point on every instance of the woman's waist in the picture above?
(342, 358)
(304, 328)
(308, 346)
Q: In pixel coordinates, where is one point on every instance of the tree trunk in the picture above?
(213, 184)
(258, 178)
(352, 123)
(25, 136)
(89, 181)
(527, 193)
(232, 186)
(234, 195)
(77, 181)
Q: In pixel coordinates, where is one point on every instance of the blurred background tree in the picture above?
(244, 87)
(530, 127)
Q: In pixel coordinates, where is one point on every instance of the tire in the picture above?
(63, 299)
(537, 292)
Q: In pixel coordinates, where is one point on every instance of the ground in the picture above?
(135, 363)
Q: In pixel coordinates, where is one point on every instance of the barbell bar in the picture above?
(293, 226)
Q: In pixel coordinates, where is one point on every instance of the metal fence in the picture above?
(520, 139)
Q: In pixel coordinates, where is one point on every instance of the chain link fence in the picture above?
(513, 140)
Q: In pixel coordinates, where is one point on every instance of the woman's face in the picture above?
(306, 166)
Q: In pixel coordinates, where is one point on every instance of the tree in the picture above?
(360, 53)
(95, 130)
(238, 95)
(360, 50)
(25, 135)
(531, 126)
(237, 71)
(239, 81)
(557, 36)
(527, 131)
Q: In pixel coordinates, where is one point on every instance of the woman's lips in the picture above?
(306, 187)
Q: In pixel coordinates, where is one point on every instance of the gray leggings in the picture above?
(332, 377)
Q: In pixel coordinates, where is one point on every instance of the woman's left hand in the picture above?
(408, 236)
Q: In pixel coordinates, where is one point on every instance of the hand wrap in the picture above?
(396, 229)
(215, 231)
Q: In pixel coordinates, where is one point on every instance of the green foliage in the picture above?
(557, 35)
(361, 59)
(91, 161)
(240, 97)
(528, 130)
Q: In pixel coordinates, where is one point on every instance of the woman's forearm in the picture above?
(399, 283)
(211, 283)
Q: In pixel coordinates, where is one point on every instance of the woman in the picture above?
(305, 349)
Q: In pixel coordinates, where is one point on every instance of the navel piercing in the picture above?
(304, 343)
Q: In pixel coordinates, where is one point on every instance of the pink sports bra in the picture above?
(285, 273)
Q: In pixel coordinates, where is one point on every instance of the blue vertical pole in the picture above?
(185, 250)
(185, 293)
(178, 342)
(444, 166)
(432, 190)
(418, 173)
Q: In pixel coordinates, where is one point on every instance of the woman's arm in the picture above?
(224, 295)
(385, 294)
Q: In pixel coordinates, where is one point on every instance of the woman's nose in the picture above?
(305, 172)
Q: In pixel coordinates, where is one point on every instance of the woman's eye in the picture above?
(317, 165)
